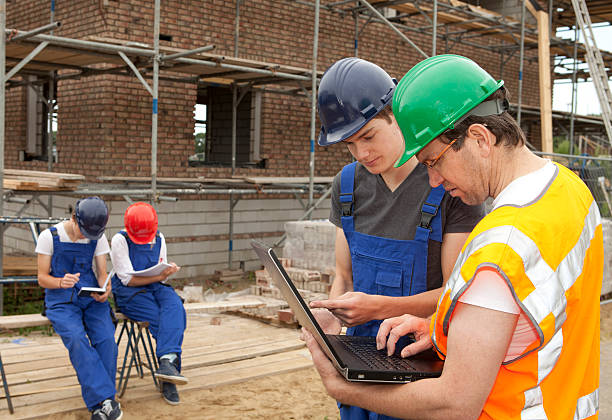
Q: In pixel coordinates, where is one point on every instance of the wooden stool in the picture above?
(136, 331)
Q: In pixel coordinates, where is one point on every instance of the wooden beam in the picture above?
(545, 84)
(531, 9)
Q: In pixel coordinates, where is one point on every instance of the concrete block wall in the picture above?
(196, 231)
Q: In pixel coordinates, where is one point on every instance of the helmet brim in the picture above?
(140, 240)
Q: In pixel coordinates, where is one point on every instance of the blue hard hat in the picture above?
(91, 215)
(352, 92)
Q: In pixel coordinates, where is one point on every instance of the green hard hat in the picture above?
(435, 94)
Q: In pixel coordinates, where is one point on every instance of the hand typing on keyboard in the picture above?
(392, 329)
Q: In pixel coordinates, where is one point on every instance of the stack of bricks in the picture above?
(304, 280)
(312, 285)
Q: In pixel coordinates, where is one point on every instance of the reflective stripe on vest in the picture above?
(587, 406)
(541, 269)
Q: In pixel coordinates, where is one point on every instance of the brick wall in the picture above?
(105, 121)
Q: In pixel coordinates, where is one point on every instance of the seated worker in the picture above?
(397, 238)
(66, 253)
(149, 298)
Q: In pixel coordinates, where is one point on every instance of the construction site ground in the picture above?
(238, 368)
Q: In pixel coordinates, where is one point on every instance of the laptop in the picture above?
(356, 358)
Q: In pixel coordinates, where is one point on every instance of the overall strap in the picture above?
(125, 235)
(347, 184)
(429, 211)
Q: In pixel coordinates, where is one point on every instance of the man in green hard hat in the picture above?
(517, 323)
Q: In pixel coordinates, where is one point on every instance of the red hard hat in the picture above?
(140, 222)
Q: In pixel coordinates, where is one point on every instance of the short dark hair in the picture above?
(504, 127)
(386, 114)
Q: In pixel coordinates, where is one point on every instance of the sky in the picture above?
(588, 102)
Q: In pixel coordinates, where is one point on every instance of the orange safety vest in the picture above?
(550, 252)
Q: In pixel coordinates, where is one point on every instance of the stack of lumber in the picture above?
(18, 266)
(17, 179)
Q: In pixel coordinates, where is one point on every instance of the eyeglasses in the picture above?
(431, 164)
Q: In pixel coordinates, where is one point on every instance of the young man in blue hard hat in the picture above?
(66, 253)
(518, 320)
(397, 238)
(147, 297)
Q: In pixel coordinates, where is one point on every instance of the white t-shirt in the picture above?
(44, 245)
(488, 289)
(120, 256)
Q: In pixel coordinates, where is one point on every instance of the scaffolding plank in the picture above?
(288, 180)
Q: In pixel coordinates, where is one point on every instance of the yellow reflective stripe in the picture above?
(587, 405)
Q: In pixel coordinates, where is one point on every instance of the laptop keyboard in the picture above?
(365, 349)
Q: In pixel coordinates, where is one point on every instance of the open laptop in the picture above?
(356, 358)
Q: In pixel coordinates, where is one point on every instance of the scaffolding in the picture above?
(448, 23)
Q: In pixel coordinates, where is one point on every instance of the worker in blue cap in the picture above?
(66, 252)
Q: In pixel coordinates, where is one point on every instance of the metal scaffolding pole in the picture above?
(386, 21)
(313, 102)
(521, 59)
(574, 92)
(155, 103)
(434, 27)
(2, 116)
(231, 197)
(356, 17)
(50, 116)
(112, 49)
(237, 28)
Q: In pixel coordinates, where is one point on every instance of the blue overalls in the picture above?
(80, 321)
(156, 303)
(384, 266)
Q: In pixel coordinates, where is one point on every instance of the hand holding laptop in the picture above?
(330, 376)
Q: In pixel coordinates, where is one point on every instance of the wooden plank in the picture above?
(206, 307)
(33, 381)
(63, 402)
(221, 181)
(56, 389)
(22, 321)
(545, 85)
(34, 320)
(63, 175)
(145, 179)
(289, 180)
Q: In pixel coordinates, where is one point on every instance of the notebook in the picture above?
(87, 291)
(356, 358)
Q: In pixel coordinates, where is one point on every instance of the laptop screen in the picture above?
(292, 296)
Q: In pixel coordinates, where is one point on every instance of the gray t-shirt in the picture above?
(380, 212)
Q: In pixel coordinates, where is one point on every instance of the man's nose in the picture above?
(435, 178)
(361, 151)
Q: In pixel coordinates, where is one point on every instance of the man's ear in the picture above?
(484, 138)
